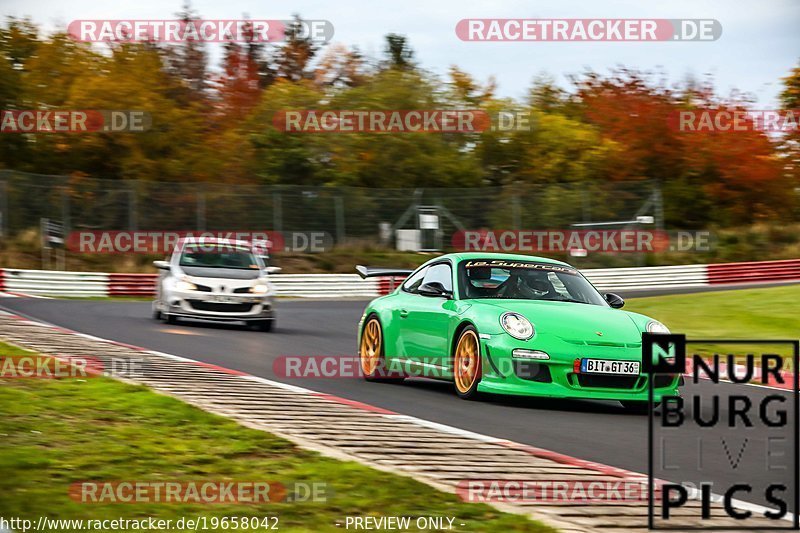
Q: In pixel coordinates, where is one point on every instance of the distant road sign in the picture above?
(52, 233)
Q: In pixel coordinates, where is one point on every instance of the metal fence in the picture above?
(346, 213)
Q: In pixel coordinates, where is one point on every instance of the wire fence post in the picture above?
(201, 209)
(4, 209)
(277, 216)
(516, 213)
(658, 202)
(133, 206)
(585, 208)
(340, 227)
(65, 211)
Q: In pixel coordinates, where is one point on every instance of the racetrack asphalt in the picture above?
(597, 431)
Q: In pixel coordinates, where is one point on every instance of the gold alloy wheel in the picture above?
(466, 361)
(370, 352)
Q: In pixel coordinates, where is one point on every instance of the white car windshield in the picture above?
(218, 256)
(522, 280)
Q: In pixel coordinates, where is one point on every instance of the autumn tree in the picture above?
(188, 61)
(293, 58)
(399, 54)
(341, 67)
(239, 85)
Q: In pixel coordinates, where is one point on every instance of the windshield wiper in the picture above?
(571, 300)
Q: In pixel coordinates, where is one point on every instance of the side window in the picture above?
(414, 280)
(441, 273)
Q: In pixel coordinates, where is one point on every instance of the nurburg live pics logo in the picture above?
(746, 407)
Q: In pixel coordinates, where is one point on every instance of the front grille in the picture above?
(662, 381)
(607, 382)
(532, 371)
(200, 305)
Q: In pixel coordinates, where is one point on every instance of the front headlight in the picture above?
(517, 326)
(654, 326)
(261, 288)
(183, 285)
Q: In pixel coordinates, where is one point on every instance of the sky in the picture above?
(760, 41)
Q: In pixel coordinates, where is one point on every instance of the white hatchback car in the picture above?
(216, 280)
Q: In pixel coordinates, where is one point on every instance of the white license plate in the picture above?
(222, 299)
(602, 366)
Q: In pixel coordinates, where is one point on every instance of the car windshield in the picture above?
(218, 256)
(523, 280)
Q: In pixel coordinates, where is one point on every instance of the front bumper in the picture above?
(556, 377)
(220, 307)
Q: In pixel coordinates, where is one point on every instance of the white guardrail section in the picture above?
(324, 285)
(88, 284)
(55, 283)
(648, 277)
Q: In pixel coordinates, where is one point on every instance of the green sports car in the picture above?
(508, 324)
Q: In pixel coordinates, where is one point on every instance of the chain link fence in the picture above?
(348, 214)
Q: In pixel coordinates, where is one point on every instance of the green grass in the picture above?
(746, 313)
(56, 432)
(769, 313)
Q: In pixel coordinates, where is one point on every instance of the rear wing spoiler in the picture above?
(371, 272)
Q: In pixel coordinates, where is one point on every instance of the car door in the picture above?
(401, 302)
(425, 320)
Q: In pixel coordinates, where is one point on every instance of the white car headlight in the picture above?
(654, 326)
(260, 288)
(517, 326)
(183, 285)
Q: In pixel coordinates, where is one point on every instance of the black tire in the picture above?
(170, 318)
(373, 366)
(265, 325)
(156, 314)
(471, 393)
(637, 407)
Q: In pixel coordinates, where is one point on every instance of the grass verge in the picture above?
(768, 313)
(58, 432)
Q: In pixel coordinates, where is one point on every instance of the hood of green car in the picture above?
(573, 322)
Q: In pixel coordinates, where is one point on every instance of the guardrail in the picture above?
(756, 271)
(681, 276)
(132, 284)
(55, 283)
(88, 284)
(323, 285)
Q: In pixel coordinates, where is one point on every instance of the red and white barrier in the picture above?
(88, 284)
(756, 271)
(132, 284)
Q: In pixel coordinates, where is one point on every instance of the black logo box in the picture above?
(678, 366)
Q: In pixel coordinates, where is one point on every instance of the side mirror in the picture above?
(614, 300)
(161, 265)
(434, 289)
(273, 270)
